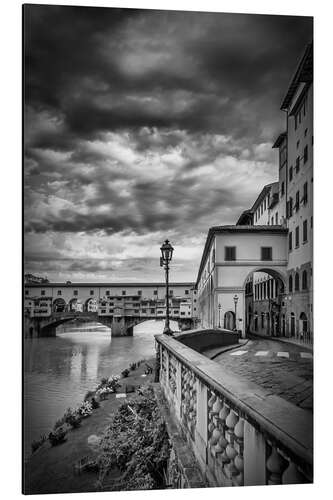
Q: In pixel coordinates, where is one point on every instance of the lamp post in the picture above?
(219, 315)
(235, 302)
(166, 251)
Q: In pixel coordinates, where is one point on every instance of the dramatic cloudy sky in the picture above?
(142, 125)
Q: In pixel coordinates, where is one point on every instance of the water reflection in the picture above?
(59, 371)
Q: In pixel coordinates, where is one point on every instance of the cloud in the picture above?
(141, 124)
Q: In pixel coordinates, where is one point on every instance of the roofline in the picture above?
(261, 194)
(279, 140)
(110, 285)
(235, 229)
(297, 77)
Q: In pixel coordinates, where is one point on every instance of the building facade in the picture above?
(281, 304)
(111, 299)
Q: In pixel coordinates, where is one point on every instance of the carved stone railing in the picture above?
(241, 435)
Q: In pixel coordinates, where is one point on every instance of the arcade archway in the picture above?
(59, 305)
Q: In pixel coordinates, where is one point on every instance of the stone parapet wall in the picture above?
(240, 434)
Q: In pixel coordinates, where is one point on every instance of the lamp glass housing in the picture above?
(166, 250)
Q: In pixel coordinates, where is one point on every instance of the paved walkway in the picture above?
(284, 370)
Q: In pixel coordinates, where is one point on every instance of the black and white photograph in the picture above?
(167, 310)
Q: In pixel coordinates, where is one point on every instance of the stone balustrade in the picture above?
(240, 434)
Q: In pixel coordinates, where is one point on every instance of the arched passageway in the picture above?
(91, 305)
(229, 320)
(265, 294)
(59, 305)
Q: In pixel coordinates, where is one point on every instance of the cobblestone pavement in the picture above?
(285, 370)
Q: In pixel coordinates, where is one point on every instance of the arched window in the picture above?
(290, 283)
(304, 280)
(303, 323)
(296, 282)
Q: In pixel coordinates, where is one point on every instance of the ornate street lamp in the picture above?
(166, 251)
(219, 315)
(235, 302)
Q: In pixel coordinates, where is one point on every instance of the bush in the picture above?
(74, 420)
(125, 373)
(95, 404)
(58, 436)
(133, 366)
(89, 395)
(137, 444)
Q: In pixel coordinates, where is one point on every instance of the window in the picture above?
(297, 202)
(304, 280)
(123, 292)
(291, 173)
(136, 311)
(296, 282)
(42, 292)
(305, 231)
(140, 293)
(144, 311)
(276, 218)
(305, 156)
(297, 164)
(175, 311)
(262, 320)
(155, 292)
(59, 292)
(186, 292)
(171, 293)
(272, 220)
(266, 253)
(290, 241)
(103, 311)
(152, 311)
(305, 193)
(290, 208)
(182, 313)
(91, 292)
(297, 237)
(282, 189)
(75, 292)
(107, 292)
(290, 283)
(229, 253)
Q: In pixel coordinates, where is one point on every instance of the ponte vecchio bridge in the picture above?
(120, 306)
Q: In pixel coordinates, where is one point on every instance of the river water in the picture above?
(60, 370)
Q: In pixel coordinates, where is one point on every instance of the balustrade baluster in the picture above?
(292, 475)
(275, 465)
(230, 451)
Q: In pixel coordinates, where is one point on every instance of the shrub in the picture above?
(125, 373)
(89, 395)
(95, 404)
(133, 366)
(74, 420)
(58, 436)
(85, 410)
(137, 444)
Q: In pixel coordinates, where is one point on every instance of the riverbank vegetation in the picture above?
(135, 447)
